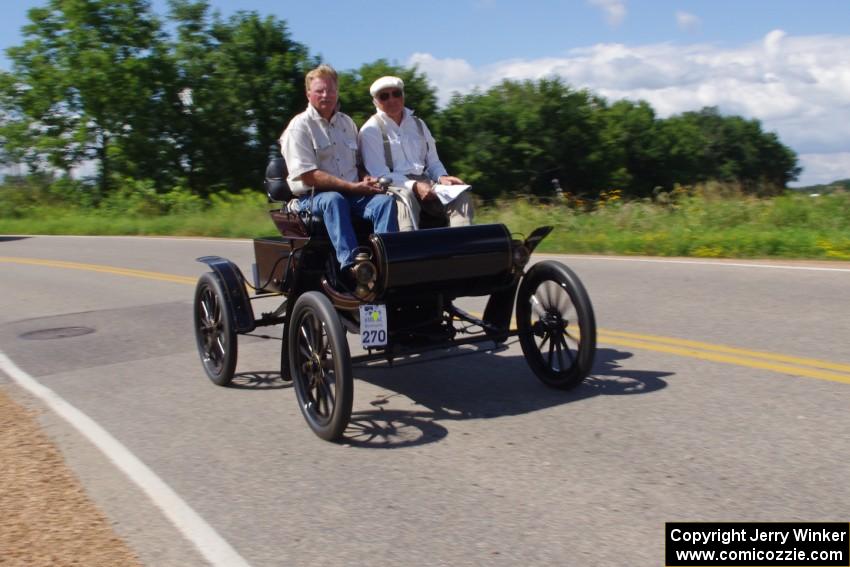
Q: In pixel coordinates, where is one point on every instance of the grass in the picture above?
(709, 222)
(697, 225)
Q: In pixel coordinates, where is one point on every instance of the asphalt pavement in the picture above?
(720, 393)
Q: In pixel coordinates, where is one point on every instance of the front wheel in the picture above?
(215, 330)
(557, 328)
(320, 365)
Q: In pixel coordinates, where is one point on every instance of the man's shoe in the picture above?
(344, 281)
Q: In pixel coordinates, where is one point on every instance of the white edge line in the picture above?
(700, 262)
(208, 542)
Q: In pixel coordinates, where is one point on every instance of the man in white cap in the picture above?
(396, 144)
(320, 149)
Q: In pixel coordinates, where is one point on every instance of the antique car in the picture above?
(401, 304)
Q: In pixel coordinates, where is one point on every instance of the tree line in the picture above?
(194, 100)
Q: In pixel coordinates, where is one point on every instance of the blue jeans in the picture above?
(336, 211)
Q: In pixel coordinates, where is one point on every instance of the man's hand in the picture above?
(449, 180)
(324, 181)
(423, 191)
(368, 186)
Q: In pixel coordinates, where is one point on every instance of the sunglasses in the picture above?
(385, 96)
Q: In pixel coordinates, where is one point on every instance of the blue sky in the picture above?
(784, 62)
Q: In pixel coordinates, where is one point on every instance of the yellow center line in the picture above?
(808, 372)
(784, 364)
(100, 268)
(795, 360)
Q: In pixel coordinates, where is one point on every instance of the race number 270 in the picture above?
(378, 336)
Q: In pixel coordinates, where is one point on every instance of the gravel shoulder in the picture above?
(46, 517)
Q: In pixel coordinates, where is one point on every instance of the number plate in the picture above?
(373, 325)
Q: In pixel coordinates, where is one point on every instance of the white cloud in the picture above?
(615, 10)
(819, 169)
(797, 86)
(449, 75)
(773, 42)
(687, 21)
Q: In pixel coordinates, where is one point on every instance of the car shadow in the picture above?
(459, 387)
(13, 238)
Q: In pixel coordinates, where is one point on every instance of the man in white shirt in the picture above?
(396, 144)
(320, 149)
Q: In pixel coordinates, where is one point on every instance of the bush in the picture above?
(710, 220)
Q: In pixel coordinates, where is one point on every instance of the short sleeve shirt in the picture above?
(311, 142)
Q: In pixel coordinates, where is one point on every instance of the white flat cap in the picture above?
(386, 83)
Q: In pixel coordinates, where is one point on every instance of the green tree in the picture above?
(518, 137)
(706, 145)
(13, 129)
(636, 148)
(236, 84)
(97, 81)
(84, 84)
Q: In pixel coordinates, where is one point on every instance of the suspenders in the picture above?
(388, 154)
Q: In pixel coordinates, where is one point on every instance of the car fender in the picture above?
(237, 295)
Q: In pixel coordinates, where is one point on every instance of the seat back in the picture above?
(275, 183)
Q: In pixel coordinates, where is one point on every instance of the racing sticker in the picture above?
(373, 325)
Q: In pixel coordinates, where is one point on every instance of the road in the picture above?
(720, 393)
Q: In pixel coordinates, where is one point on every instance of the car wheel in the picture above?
(215, 332)
(320, 365)
(557, 329)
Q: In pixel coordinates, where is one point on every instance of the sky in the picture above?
(785, 63)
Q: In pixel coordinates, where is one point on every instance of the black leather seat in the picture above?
(275, 183)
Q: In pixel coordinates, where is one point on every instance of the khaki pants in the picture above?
(459, 211)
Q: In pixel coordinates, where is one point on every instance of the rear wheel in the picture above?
(320, 365)
(215, 331)
(557, 329)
